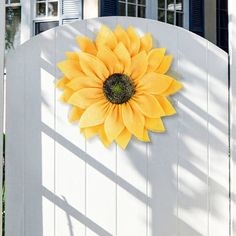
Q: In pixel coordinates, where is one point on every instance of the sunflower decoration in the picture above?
(117, 86)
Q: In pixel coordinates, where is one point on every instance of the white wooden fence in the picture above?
(58, 184)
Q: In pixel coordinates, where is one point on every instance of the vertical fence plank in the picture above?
(39, 145)
(218, 180)
(70, 150)
(132, 172)
(163, 161)
(193, 135)
(15, 145)
(100, 170)
(232, 74)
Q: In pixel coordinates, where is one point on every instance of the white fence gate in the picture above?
(58, 184)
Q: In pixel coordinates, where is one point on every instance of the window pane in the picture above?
(170, 5)
(141, 11)
(170, 17)
(131, 10)
(43, 26)
(132, 1)
(179, 19)
(52, 8)
(143, 2)
(13, 21)
(122, 9)
(161, 4)
(179, 5)
(14, 1)
(40, 9)
(161, 15)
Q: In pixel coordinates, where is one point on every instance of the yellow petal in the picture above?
(75, 114)
(106, 142)
(92, 66)
(155, 57)
(94, 115)
(89, 132)
(134, 41)
(86, 97)
(106, 37)
(84, 82)
(173, 88)
(122, 36)
(154, 124)
(165, 65)
(61, 83)
(109, 58)
(123, 54)
(145, 137)
(148, 105)
(86, 45)
(166, 105)
(72, 56)
(139, 65)
(66, 95)
(114, 124)
(133, 119)
(71, 68)
(154, 83)
(146, 42)
(124, 138)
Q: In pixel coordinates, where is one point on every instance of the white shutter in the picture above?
(71, 10)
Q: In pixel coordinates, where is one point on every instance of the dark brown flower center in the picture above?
(118, 88)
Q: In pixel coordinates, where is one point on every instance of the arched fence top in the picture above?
(119, 19)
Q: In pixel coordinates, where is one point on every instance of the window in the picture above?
(46, 15)
(171, 11)
(132, 8)
(13, 24)
(46, 8)
(43, 26)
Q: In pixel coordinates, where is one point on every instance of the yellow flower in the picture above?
(118, 86)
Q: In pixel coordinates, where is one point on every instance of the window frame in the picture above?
(174, 11)
(136, 4)
(46, 17)
(10, 4)
(151, 11)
